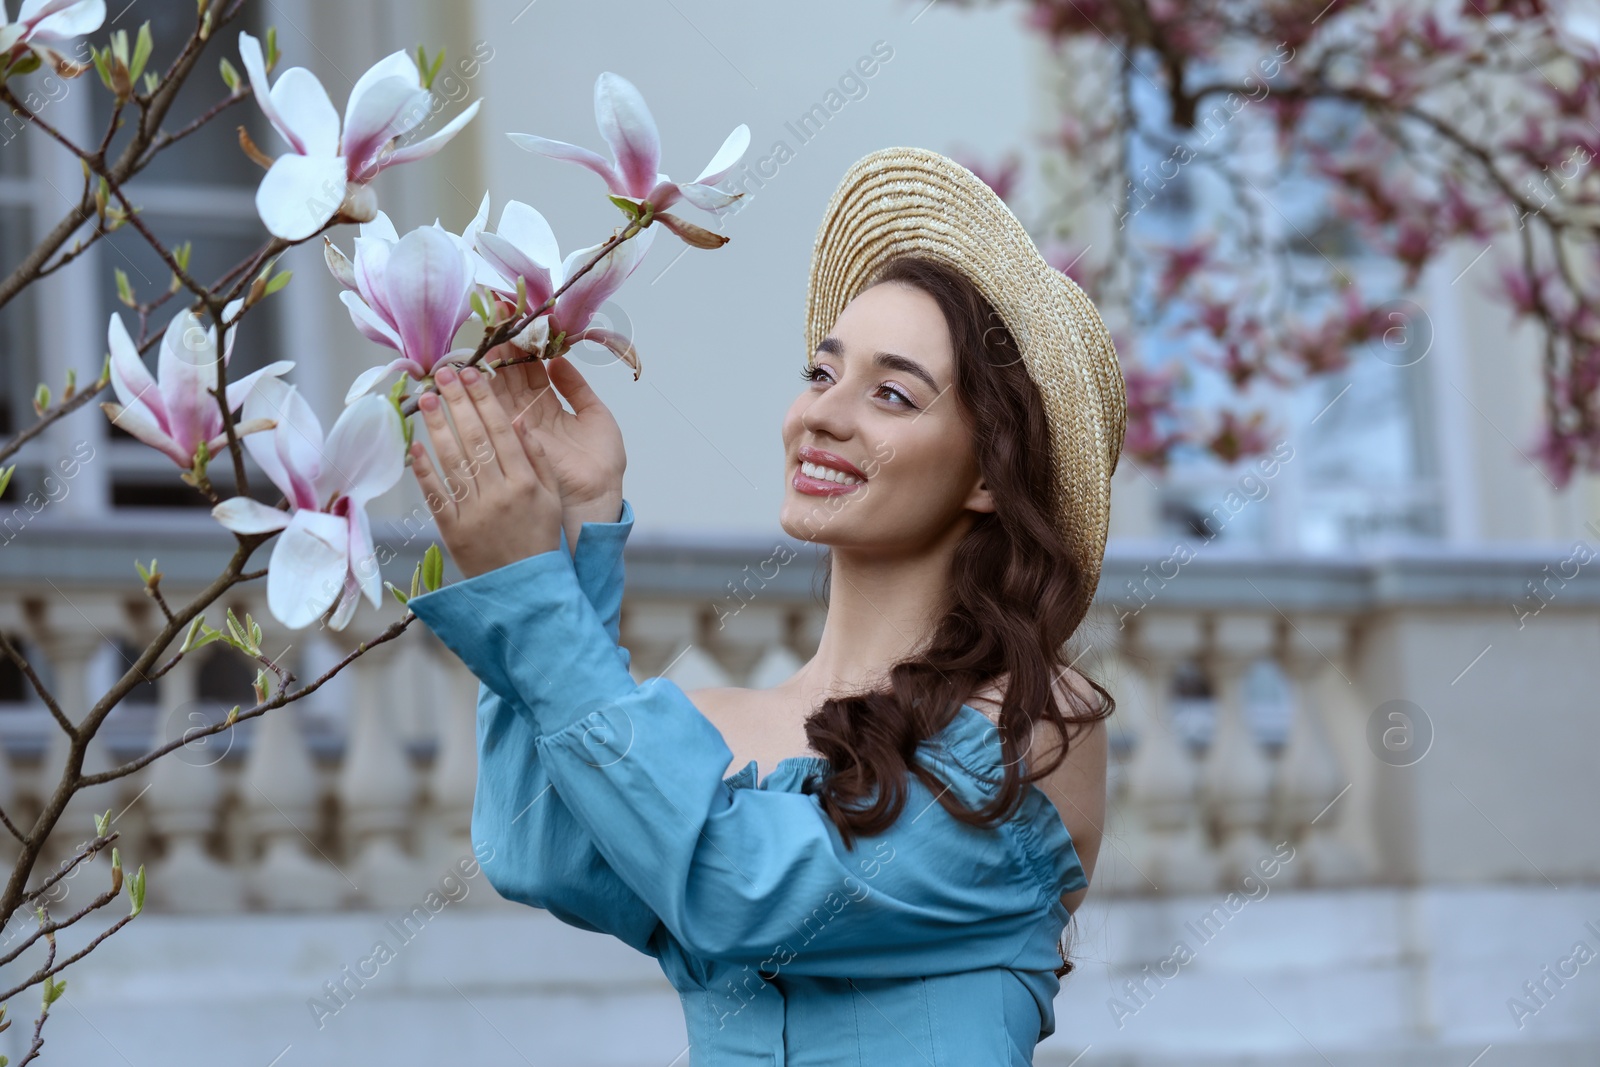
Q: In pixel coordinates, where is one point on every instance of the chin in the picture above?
(814, 519)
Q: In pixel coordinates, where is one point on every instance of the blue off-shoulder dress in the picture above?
(605, 803)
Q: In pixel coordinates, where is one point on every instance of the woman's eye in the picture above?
(811, 372)
(904, 399)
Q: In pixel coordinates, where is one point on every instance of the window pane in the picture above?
(13, 143)
(18, 368)
(212, 154)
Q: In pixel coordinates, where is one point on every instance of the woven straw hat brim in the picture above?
(899, 201)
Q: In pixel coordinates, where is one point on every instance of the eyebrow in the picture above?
(888, 360)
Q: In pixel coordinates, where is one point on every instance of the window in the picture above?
(200, 191)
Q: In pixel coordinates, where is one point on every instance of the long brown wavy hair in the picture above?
(1009, 600)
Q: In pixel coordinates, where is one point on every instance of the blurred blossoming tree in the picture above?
(1408, 126)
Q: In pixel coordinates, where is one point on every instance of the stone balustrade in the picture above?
(1246, 690)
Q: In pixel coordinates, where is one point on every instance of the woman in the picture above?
(911, 819)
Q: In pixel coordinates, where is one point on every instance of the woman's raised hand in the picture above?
(498, 500)
(584, 445)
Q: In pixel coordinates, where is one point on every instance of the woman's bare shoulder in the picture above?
(718, 702)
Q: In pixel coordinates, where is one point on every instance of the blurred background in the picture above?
(1349, 611)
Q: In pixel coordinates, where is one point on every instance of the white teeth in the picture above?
(814, 470)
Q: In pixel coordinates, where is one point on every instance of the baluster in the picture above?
(656, 631)
(1163, 780)
(281, 796)
(184, 799)
(776, 665)
(455, 771)
(743, 639)
(1126, 848)
(1236, 781)
(377, 787)
(70, 642)
(691, 667)
(1310, 778)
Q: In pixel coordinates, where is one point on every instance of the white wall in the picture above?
(720, 333)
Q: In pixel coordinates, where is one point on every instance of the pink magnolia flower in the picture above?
(523, 246)
(408, 293)
(328, 167)
(176, 413)
(634, 170)
(325, 557)
(47, 25)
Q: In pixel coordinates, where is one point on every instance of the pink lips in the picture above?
(821, 486)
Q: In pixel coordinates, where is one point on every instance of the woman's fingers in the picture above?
(434, 492)
(524, 389)
(533, 447)
(480, 462)
(570, 381)
(452, 467)
(495, 423)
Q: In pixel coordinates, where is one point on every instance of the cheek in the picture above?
(918, 460)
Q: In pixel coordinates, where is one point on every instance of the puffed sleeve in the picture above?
(542, 856)
(745, 875)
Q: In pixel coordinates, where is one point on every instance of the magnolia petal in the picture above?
(510, 261)
(298, 436)
(300, 194)
(663, 194)
(618, 343)
(310, 122)
(243, 515)
(721, 163)
(575, 307)
(368, 379)
(627, 126)
(431, 143)
(479, 221)
(237, 391)
(230, 316)
(530, 231)
(345, 608)
(241, 430)
(364, 571)
(380, 226)
(130, 378)
(186, 368)
(57, 20)
(372, 327)
(339, 265)
(534, 336)
(360, 203)
(708, 199)
(307, 568)
(371, 266)
(428, 283)
(137, 420)
(365, 450)
(484, 273)
(697, 236)
(388, 101)
(33, 12)
(572, 154)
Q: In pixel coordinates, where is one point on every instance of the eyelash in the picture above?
(811, 371)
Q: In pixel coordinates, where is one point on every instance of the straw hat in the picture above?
(897, 201)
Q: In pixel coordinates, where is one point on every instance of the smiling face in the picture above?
(881, 406)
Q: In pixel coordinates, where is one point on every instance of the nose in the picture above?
(829, 412)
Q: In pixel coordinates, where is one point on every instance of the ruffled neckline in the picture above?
(972, 740)
(968, 735)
